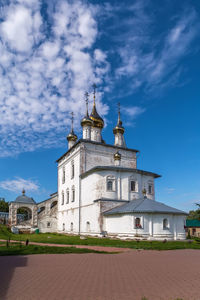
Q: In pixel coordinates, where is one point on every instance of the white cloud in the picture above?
(44, 72)
(170, 190)
(132, 111)
(18, 184)
(148, 58)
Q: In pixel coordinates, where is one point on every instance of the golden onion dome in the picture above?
(72, 136)
(119, 128)
(95, 117)
(86, 121)
(117, 156)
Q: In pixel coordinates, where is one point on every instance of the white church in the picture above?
(102, 192)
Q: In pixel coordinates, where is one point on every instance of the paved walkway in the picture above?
(98, 248)
(157, 275)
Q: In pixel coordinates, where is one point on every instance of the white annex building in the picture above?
(102, 192)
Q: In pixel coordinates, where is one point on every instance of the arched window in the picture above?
(165, 224)
(67, 196)
(87, 226)
(72, 169)
(63, 198)
(72, 226)
(63, 226)
(73, 193)
(110, 183)
(138, 223)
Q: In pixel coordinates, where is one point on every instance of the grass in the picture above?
(55, 238)
(19, 249)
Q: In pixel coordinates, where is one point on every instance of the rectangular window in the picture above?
(133, 186)
(138, 224)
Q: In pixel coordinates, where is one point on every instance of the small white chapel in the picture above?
(101, 192)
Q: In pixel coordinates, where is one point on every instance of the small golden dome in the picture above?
(86, 121)
(72, 136)
(119, 128)
(117, 156)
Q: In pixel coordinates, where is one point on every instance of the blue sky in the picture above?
(139, 53)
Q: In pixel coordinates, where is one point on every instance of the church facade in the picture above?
(102, 192)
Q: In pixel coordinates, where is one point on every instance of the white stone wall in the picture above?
(68, 183)
(101, 155)
(152, 226)
(94, 186)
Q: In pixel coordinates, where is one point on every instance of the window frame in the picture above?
(112, 179)
(165, 224)
(138, 226)
(150, 186)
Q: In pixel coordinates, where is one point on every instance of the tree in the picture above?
(4, 205)
(194, 214)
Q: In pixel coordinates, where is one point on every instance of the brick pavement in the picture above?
(157, 275)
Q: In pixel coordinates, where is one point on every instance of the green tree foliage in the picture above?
(194, 214)
(4, 205)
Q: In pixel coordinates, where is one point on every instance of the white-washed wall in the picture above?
(152, 226)
(94, 186)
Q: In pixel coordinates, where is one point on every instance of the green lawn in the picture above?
(55, 238)
(17, 249)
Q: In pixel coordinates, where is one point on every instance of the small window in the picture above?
(67, 196)
(165, 224)
(63, 226)
(110, 183)
(138, 223)
(133, 186)
(72, 226)
(63, 175)
(73, 194)
(63, 198)
(48, 224)
(72, 169)
(150, 188)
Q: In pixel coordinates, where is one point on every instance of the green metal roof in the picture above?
(192, 223)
